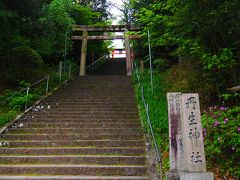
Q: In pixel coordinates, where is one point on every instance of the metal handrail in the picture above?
(95, 62)
(27, 89)
(147, 59)
(150, 126)
(2, 102)
(39, 81)
(146, 106)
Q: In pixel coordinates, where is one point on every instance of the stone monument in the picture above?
(187, 157)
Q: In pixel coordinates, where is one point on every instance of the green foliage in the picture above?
(223, 61)
(229, 96)
(222, 138)
(74, 67)
(160, 63)
(55, 21)
(203, 31)
(12, 102)
(44, 25)
(157, 103)
(5, 118)
(19, 24)
(187, 77)
(99, 6)
(17, 100)
(24, 84)
(58, 13)
(24, 64)
(188, 48)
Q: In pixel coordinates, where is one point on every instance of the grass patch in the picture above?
(6, 115)
(158, 113)
(13, 101)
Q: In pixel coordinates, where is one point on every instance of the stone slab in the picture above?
(190, 176)
(174, 116)
(192, 138)
(196, 176)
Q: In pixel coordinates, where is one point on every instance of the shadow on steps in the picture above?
(112, 67)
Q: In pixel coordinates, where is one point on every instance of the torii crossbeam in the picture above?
(105, 29)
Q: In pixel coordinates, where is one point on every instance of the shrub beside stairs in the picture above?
(88, 129)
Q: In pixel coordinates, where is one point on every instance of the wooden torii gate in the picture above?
(105, 30)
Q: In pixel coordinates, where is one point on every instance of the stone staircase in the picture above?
(88, 129)
(112, 67)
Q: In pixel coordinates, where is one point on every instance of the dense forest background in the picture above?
(201, 37)
(41, 29)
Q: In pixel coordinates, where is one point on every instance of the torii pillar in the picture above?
(128, 53)
(112, 28)
(82, 71)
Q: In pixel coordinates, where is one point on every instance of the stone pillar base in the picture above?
(190, 176)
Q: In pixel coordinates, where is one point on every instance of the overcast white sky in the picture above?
(116, 13)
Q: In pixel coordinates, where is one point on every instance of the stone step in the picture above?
(76, 101)
(106, 116)
(106, 97)
(81, 101)
(89, 83)
(86, 105)
(88, 129)
(70, 137)
(75, 125)
(88, 109)
(20, 130)
(73, 159)
(93, 113)
(74, 178)
(94, 85)
(92, 104)
(90, 117)
(78, 88)
(76, 143)
(78, 120)
(106, 87)
(81, 106)
(103, 100)
(110, 92)
(126, 151)
(100, 170)
(79, 96)
(106, 92)
(92, 81)
(97, 93)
